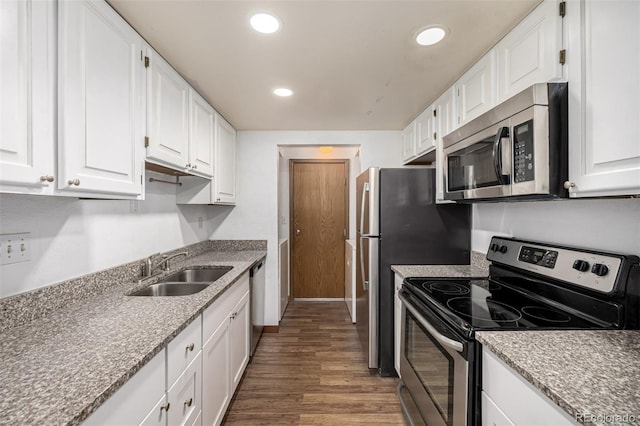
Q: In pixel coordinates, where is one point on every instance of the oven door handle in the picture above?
(445, 341)
(503, 132)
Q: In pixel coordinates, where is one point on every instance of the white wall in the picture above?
(256, 213)
(600, 224)
(72, 237)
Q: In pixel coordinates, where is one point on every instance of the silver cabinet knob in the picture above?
(189, 402)
(75, 182)
(190, 347)
(47, 178)
(569, 185)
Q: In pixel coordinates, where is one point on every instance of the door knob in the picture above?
(297, 232)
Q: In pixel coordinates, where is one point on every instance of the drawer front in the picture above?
(220, 310)
(158, 415)
(492, 415)
(185, 395)
(182, 350)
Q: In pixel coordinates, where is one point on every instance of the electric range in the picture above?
(531, 286)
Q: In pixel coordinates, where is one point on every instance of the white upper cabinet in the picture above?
(225, 157)
(167, 114)
(409, 142)
(100, 105)
(445, 118)
(476, 89)
(27, 72)
(202, 134)
(530, 52)
(425, 132)
(604, 97)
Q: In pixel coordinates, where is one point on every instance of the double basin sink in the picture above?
(183, 283)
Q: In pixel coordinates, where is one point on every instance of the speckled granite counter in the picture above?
(479, 267)
(584, 372)
(59, 368)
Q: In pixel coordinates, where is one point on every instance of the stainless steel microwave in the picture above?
(519, 149)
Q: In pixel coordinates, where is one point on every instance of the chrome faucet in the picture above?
(163, 264)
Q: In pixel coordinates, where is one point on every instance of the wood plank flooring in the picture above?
(313, 372)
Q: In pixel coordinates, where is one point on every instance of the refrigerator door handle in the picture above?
(365, 283)
(364, 197)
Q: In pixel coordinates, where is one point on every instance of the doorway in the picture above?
(318, 212)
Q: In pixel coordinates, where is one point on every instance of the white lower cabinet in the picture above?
(135, 402)
(225, 354)
(158, 414)
(397, 321)
(185, 395)
(508, 399)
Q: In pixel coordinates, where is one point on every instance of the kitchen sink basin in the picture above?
(171, 289)
(206, 275)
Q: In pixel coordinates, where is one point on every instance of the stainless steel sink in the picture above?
(204, 275)
(171, 289)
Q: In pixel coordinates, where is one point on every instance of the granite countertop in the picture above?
(589, 374)
(59, 368)
(479, 267)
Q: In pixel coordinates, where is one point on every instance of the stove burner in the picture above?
(448, 287)
(546, 314)
(484, 309)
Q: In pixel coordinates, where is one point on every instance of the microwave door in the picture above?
(480, 165)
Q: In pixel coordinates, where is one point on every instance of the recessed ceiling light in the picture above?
(430, 36)
(282, 91)
(265, 23)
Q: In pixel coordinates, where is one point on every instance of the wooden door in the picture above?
(319, 224)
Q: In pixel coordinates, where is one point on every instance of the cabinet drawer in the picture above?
(185, 395)
(219, 311)
(520, 401)
(182, 350)
(157, 416)
(492, 415)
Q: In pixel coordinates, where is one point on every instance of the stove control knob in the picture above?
(581, 265)
(600, 270)
(494, 247)
(503, 249)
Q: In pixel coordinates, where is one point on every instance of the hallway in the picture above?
(313, 373)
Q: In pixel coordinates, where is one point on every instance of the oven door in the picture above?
(480, 165)
(433, 366)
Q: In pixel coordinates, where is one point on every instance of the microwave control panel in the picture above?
(523, 169)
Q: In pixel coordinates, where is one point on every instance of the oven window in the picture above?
(472, 167)
(433, 366)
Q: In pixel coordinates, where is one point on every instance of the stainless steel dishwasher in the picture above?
(256, 295)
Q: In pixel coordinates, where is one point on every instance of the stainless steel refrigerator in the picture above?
(399, 223)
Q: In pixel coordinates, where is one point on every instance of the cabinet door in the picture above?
(492, 415)
(476, 89)
(167, 114)
(604, 97)
(529, 53)
(158, 414)
(425, 132)
(201, 139)
(225, 157)
(409, 142)
(100, 74)
(185, 397)
(27, 72)
(240, 335)
(216, 376)
(445, 120)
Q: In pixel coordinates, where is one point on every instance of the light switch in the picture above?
(15, 248)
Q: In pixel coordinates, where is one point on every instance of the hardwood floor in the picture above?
(313, 372)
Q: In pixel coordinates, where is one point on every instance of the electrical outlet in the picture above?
(15, 248)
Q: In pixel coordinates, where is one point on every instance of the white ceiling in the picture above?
(353, 65)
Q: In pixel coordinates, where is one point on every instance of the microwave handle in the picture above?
(503, 132)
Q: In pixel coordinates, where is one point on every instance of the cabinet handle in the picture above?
(165, 407)
(569, 185)
(75, 182)
(190, 347)
(188, 166)
(195, 166)
(47, 178)
(189, 402)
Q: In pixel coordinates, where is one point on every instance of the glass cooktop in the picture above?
(487, 305)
